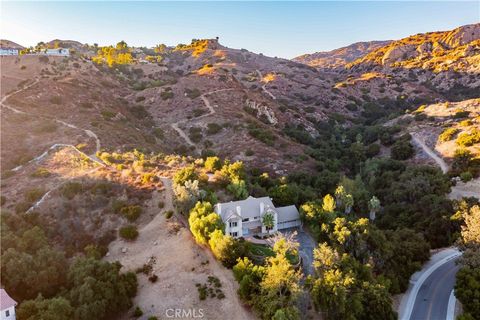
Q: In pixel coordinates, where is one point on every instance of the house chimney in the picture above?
(219, 208)
(262, 207)
(239, 211)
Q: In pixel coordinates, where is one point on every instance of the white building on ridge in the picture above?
(7, 306)
(8, 52)
(245, 217)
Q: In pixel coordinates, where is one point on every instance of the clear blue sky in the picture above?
(284, 29)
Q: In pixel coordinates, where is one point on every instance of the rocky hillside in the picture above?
(205, 98)
(455, 50)
(337, 59)
(9, 44)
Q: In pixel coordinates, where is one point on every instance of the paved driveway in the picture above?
(307, 244)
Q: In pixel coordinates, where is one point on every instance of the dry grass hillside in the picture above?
(337, 59)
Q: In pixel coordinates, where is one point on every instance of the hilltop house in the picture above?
(7, 306)
(8, 52)
(57, 52)
(245, 217)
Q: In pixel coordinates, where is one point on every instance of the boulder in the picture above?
(401, 52)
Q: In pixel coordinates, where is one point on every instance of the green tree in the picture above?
(328, 204)
(33, 267)
(185, 174)
(45, 309)
(98, 289)
(373, 206)
(238, 188)
(203, 222)
(402, 150)
(268, 220)
(285, 194)
(226, 249)
(471, 228)
(280, 285)
(212, 164)
(249, 277)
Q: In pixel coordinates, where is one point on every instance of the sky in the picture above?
(282, 28)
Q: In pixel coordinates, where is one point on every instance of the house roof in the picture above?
(287, 213)
(250, 207)
(5, 300)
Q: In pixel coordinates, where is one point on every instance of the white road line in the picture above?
(413, 294)
(451, 306)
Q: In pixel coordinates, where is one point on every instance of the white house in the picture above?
(57, 52)
(7, 306)
(245, 217)
(8, 52)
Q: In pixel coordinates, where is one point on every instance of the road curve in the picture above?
(429, 293)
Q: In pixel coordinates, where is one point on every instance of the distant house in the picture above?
(57, 52)
(245, 217)
(8, 52)
(7, 306)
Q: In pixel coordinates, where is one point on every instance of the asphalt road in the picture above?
(432, 298)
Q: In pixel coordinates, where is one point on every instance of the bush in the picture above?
(195, 134)
(198, 112)
(213, 128)
(158, 133)
(466, 176)
(372, 150)
(138, 312)
(212, 164)
(447, 134)
(41, 173)
(168, 214)
(461, 114)
(129, 232)
(108, 115)
(420, 116)
(192, 93)
(131, 212)
(71, 189)
(402, 150)
(153, 278)
(56, 99)
(466, 123)
(117, 205)
(149, 177)
(33, 195)
(166, 95)
(86, 105)
(139, 112)
(468, 139)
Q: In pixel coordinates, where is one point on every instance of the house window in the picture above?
(233, 224)
(234, 234)
(245, 220)
(7, 313)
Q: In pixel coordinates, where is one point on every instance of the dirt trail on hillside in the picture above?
(89, 133)
(211, 111)
(461, 189)
(179, 264)
(441, 163)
